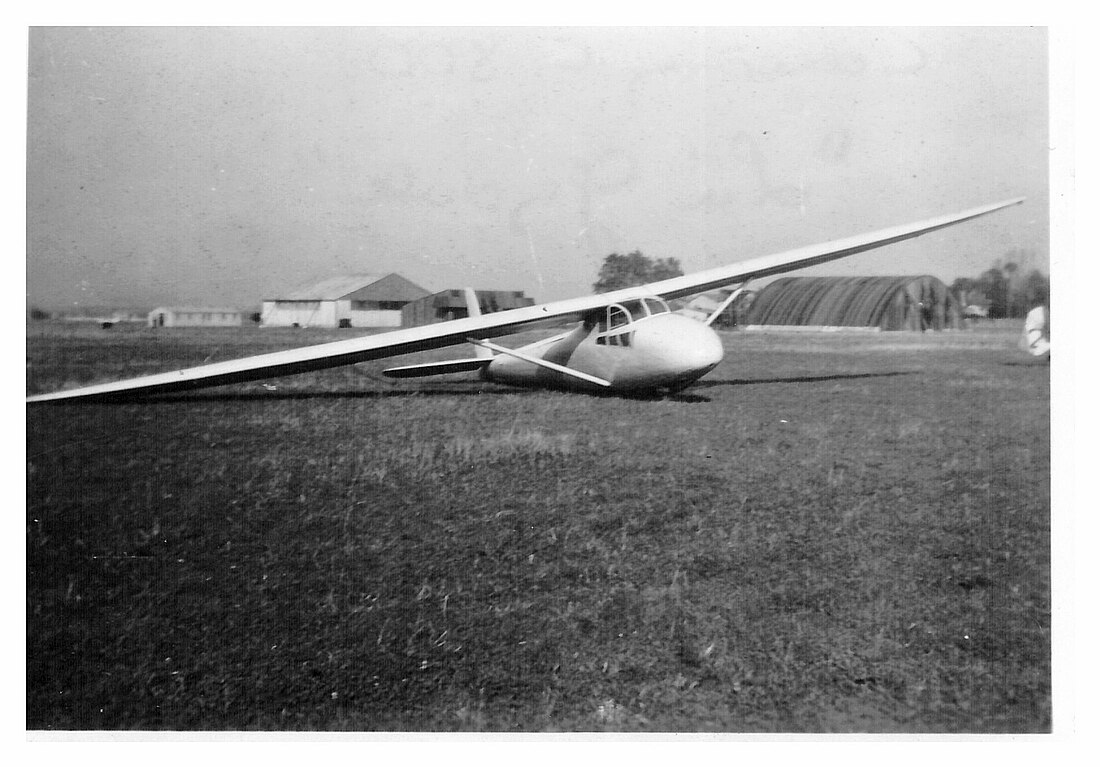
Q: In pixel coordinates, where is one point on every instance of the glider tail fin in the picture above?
(473, 309)
(483, 355)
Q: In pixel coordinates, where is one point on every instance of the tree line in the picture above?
(1005, 289)
(619, 271)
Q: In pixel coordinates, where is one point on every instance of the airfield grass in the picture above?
(829, 533)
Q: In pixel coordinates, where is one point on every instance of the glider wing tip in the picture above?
(40, 399)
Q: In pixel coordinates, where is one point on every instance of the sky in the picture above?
(222, 166)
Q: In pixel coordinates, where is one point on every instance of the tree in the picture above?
(1008, 289)
(619, 271)
(965, 289)
(994, 286)
(1035, 290)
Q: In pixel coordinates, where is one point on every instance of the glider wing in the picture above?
(407, 340)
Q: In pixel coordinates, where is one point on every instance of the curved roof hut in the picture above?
(888, 303)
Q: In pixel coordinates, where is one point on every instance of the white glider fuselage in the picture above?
(636, 346)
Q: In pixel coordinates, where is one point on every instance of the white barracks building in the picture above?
(194, 317)
(350, 301)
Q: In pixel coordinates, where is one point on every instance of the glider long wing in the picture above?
(405, 341)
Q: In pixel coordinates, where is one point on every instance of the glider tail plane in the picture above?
(483, 355)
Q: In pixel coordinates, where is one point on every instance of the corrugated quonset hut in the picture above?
(887, 303)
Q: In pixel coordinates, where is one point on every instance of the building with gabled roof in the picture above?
(349, 301)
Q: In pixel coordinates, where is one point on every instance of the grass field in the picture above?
(831, 532)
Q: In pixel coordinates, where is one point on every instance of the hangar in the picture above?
(886, 303)
(348, 301)
(451, 305)
(195, 317)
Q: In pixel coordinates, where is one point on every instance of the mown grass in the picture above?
(828, 533)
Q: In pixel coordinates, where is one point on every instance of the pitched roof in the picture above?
(330, 289)
(342, 286)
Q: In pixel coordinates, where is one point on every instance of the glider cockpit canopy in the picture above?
(618, 315)
(613, 323)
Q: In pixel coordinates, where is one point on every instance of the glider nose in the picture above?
(700, 353)
(703, 347)
(687, 349)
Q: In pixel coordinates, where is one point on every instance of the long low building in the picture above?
(349, 301)
(195, 317)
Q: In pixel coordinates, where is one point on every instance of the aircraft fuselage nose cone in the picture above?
(676, 350)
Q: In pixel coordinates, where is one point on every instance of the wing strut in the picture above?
(537, 361)
(729, 300)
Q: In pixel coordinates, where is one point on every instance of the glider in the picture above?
(626, 340)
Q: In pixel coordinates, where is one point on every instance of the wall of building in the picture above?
(381, 318)
(326, 314)
(357, 300)
(168, 317)
(305, 314)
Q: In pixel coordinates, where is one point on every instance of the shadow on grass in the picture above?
(458, 390)
(648, 396)
(277, 396)
(799, 379)
(449, 391)
(1033, 363)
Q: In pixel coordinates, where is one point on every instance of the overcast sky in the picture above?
(225, 165)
